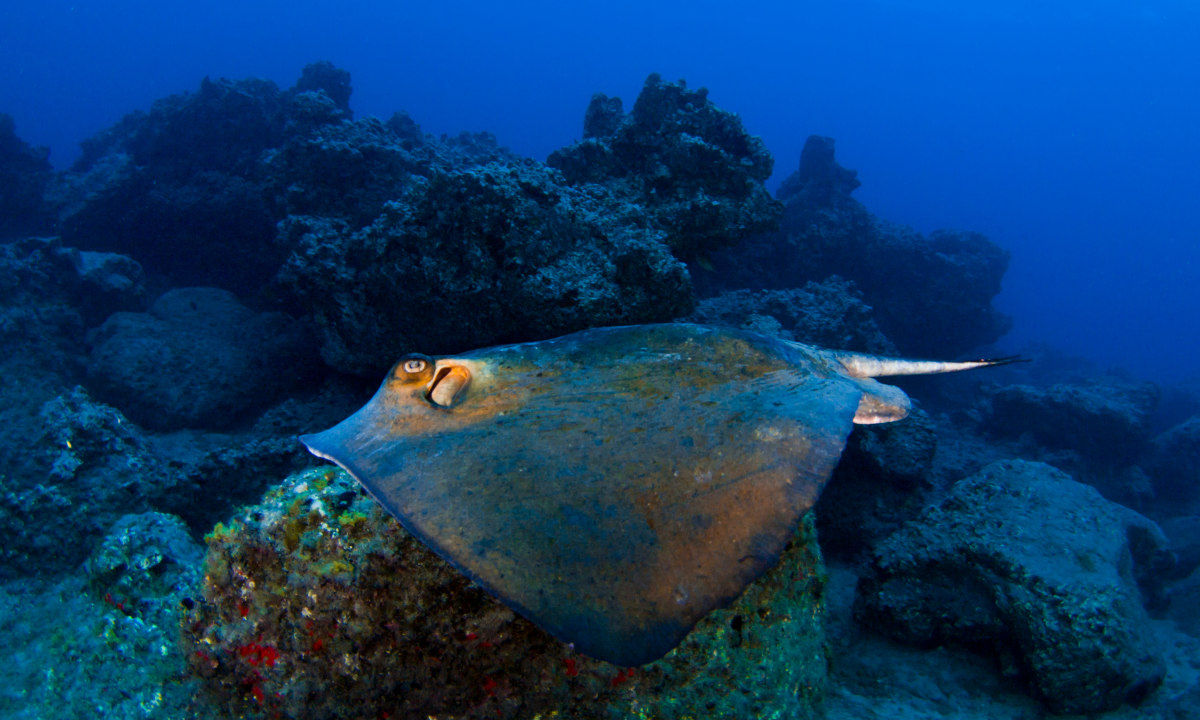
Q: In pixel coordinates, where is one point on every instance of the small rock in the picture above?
(198, 358)
(146, 566)
(1175, 464)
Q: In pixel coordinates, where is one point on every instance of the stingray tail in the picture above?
(871, 366)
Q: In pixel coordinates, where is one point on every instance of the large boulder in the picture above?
(198, 358)
(1040, 570)
(691, 165)
(1106, 421)
(482, 255)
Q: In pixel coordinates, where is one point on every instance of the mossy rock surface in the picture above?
(320, 605)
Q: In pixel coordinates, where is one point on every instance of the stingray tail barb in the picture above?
(872, 366)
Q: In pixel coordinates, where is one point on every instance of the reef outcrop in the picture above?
(690, 165)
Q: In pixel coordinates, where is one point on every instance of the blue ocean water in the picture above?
(1065, 131)
(237, 263)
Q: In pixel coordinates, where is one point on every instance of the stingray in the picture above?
(615, 485)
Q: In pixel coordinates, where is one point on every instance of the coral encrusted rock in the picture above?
(145, 567)
(1040, 570)
(317, 604)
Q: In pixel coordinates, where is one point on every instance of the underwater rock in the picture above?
(1184, 534)
(328, 80)
(86, 465)
(1106, 422)
(349, 171)
(24, 175)
(145, 567)
(319, 605)
(189, 201)
(475, 257)
(692, 166)
(829, 313)
(1174, 465)
(85, 468)
(1184, 604)
(820, 178)
(1036, 567)
(40, 294)
(183, 188)
(212, 473)
(198, 358)
(42, 333)
(931, 295)
(109, 283)
(883, 480)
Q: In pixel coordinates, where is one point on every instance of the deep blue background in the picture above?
(1065, 130)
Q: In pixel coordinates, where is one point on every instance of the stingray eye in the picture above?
(413, 368)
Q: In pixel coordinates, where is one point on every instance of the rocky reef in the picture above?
(236, 265)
